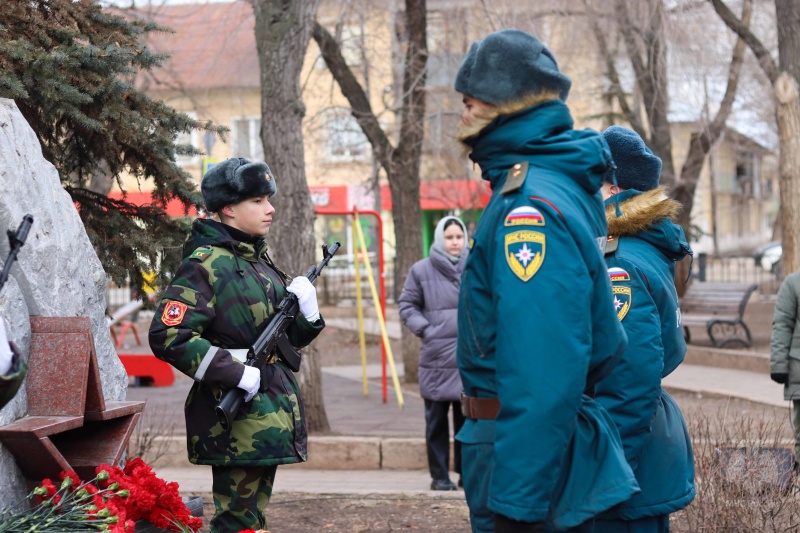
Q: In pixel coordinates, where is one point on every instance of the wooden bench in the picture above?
(719, 307)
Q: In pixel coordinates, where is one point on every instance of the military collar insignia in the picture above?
(525, 251)
(516, 177)
(611, 245)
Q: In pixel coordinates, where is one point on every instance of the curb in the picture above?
(324, 452)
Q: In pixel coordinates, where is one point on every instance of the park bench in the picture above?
(719, 307)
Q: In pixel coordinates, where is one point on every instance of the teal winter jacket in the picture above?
(641, 256)
(536, 328)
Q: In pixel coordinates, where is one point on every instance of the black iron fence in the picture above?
(736, 269)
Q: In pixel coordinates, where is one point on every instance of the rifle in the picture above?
(16, 239)
(271, 339)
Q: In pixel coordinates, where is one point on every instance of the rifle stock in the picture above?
(271, 339)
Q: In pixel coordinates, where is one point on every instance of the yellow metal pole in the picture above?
(381, 320)
(360, 306)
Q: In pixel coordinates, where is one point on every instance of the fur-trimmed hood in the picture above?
(648, 216)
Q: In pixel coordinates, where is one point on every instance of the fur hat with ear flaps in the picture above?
(637, 166)
(234, 180)
(509, 65)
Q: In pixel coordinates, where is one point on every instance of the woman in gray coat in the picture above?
(429, 308)
(784, 361)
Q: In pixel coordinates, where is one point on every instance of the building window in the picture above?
(343, 138)
(191, 138)
(246, 138)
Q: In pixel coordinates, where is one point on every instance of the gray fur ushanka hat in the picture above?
(234, 180)
(509, 65)
(637, 166)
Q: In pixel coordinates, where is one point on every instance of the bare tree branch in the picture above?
(352, 90)
(702, 141)
(613, 78)
(651, 78)
(763, 56)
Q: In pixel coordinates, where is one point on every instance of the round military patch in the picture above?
(173, 313)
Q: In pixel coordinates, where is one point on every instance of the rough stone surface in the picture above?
(57, 272)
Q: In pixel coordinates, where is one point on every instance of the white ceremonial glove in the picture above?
(306, 297)
(250, 382)
(6, 355)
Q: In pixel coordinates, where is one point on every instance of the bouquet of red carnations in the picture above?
(112, 501)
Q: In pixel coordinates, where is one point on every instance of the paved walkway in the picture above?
(753, 386)
(352, 414)
(197, 479)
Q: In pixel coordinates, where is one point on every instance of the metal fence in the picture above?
(736, 269)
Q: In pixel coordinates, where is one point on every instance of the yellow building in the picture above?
(213, 74)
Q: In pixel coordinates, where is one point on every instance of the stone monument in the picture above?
(57, 272)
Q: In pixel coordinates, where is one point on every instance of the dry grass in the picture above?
(744, 477)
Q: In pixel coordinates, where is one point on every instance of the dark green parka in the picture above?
(221, 298)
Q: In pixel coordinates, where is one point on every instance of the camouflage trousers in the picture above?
(240, 496)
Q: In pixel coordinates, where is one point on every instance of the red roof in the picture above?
(213, 46)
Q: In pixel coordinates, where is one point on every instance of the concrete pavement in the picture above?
(376, 447)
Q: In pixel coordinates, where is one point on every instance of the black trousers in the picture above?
(437, 437)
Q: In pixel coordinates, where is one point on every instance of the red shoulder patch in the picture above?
(173, 313)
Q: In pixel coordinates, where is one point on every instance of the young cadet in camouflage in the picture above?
(12, 368)
(536, 327)
(221, 298)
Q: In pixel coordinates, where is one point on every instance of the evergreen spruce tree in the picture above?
(70, 65)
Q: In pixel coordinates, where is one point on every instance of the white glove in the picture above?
(6, 355)
(250, 382)
(306, 297)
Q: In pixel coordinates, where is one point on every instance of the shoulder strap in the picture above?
(516, 177)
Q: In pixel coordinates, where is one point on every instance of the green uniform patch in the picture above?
(201, 253)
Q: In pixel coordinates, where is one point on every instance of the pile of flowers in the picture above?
(112, 501)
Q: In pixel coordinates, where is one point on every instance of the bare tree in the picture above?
(784, 76)
(400, 161)
(283, 30)
(643, 31)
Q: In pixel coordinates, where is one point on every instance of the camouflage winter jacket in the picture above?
(222, 297)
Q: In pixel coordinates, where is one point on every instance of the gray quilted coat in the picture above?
(429, 308)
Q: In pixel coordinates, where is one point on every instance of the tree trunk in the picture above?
(788, 113)
(405, 182)
(702, 140)
(283, 30)
(787, 13)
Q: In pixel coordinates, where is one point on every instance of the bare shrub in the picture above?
(151, 438)
(743, 474)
